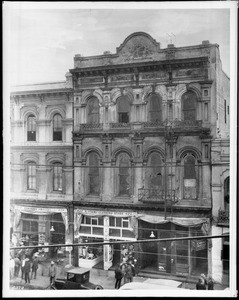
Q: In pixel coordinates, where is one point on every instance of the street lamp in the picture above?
(152, 235)
(51, 231)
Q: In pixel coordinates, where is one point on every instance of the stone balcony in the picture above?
(156, 196)
(177, 127)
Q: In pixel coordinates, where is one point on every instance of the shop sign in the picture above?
(39, 209)
(199, 244)
(105, 213)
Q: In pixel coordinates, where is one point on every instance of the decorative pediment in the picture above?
(138, 45)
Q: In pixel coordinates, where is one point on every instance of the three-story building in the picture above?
(126, 149)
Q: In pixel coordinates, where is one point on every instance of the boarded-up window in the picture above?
(123, 109)
(31, 128)
(57, 127)
(155, 108)
(189, 106)
(94, 178)
(93, 110)
(189, 167)
(124, 174)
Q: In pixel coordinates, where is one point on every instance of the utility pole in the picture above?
(165, 173)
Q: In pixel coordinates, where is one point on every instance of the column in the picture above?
(70, 236)
(107, 248)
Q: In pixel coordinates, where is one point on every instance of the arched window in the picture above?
(31, 128)
(31, 176)
(57, 177)
(57, 127)
(189, 177)
(123, 107)
(93, 110)
(93, 174)
(155, 108)
(189, 167)
(189, 100)
(124, 178)
(154, 173)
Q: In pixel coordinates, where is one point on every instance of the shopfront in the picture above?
(180, 257)
(39, 226)
(103, 226)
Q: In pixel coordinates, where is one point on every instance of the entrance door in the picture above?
(150, 250)
(164, 261)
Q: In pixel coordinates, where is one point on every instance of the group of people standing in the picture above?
(26, 266)
(205, 283)
(125, 270)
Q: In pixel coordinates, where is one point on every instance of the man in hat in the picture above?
(52, 273)
(34, 267)
(27, 270)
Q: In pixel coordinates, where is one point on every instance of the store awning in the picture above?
(187, 222)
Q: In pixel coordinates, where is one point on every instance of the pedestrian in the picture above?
(128, 274)
(23, 266)
(27, 270)
(118, 276)
(200, 284)
(11, 266)
(17, 266)
(210, 283)
(34, 267)
(52, 273)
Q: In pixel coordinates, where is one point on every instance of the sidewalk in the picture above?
(99, 277)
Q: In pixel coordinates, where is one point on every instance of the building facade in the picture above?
(41, 162)
(145, 122)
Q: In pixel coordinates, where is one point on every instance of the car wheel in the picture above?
(98, 287)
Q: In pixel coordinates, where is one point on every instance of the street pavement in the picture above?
(99, 277)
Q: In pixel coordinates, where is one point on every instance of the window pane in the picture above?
(94, 221)
(112, 221)
(100, 221)
(93, 111)
(124, 174)
(57, 177)
(155, 110)
(155, 180)
(31, 136)
(57, 122)
(118, 222)
(57, 136)
(31, 176)
(114, 232)
(189, 167)
(189, 106)
(31, 128)
(94, 178)
(123, 105)
(87, 220)
(123, 118)
(57, 127)
(31, 123)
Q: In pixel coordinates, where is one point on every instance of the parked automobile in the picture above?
(76, 279)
